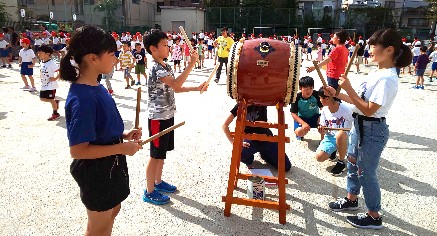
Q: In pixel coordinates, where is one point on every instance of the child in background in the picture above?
(38, 42)
(4, 51)
(351, 49)
(119, 48)
(186, 53)
(127, 61)
(416, 54)
(56, 45)
(310, 49)
(420, 67)
(176, 54)
(366, 55)
(359, 59)
(333, 115)
(140, 62)
(305, 110)
(48, 80)
(161, 105)
(324, 46)
(433, 59)
(26, 61)
(319, 52)
(200, 52)
(210, 46)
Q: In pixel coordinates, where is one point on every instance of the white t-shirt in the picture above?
(416, 51)
(124, 38)
(48, 70)
(38, 42)
(433, 56)
(201, 35)
(46, 41)
(119, 44)
(55, 40)
(352, 49)
(342, 118)
(323, 45)
(361, 41)
(169, 42)
(380, 87)
(310, 45)
(26, 55)
(63, 40)
(3, 44)
(319, 40)
(210, 42)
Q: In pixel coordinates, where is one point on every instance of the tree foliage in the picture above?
(108, 7)
(432, 10)
(4, 16)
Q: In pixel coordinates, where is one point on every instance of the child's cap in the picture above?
(331, 35)
(61, 34)
(25, 40)
(23, 34)
(353, 43)
(360, 37)
(44, 33)
(323, 41)
(53, 33)
(128, 33)
(319, 35)
(1, 35)
(138, 33)
(68, 35)
(67, 39)
(404, 39)
(36, 34)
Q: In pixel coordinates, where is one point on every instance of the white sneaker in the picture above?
(33, 89)
(27, 87)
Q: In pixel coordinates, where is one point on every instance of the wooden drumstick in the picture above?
(151, 138)
(137, 115)
(343, 129)
(316, 66)
(349, 66)
(187, 40)
(210, 78)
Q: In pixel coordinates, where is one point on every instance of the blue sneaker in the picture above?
(299, 138)
(138, 83)
(156, 197)
(165, 187)
(421, 87)
(415, 87)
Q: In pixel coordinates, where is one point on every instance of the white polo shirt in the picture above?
(26, 55)
(3, 44)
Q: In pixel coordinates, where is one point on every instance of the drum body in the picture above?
(263, 71)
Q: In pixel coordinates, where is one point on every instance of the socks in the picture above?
(55, 112)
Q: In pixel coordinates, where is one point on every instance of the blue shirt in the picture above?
(91, 115)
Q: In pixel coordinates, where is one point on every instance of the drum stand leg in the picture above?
(234, 173)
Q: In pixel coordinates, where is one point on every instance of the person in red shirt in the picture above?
(336, 60)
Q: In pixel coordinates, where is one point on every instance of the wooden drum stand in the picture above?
(234, 172)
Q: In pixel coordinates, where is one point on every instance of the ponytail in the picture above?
(67, 71)
(404, 57)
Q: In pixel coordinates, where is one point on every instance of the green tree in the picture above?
(432, 10)
(108, 7)
(4, 16)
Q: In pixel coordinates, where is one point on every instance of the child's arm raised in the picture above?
(177, 84)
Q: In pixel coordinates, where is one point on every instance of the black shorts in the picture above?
(103, 182)
(160, 146)
(47, 94)
(177, 62)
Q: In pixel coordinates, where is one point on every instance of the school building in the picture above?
(164, 14)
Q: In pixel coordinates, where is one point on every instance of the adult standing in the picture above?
(15, 43)
(223, 44)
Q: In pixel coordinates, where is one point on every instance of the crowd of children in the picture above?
(342, 127)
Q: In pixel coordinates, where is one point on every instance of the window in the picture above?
(389, 4)
(421, 22)
(135, 1)
(89, 2)
(159, 5)
(30, 2)
(173, 3)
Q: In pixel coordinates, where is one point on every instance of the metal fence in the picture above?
(284, 21)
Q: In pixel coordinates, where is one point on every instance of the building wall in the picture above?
(184, 3)
(193, 18)
(11, 9)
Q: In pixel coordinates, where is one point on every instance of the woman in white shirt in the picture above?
(369, 133)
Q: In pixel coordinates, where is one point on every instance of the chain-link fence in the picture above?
(286, 21)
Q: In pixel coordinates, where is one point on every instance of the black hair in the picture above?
(137, 44)
(81, 45)
(402, 55)
(321, 93)
(45, 48)
(423, 49)
(342, 36)
(153, 39)
(306, 81)
(126, 43)
(224, 29)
